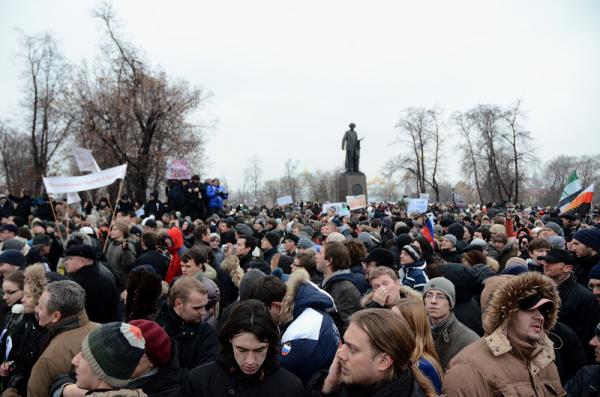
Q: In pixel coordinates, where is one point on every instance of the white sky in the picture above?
(287, 77)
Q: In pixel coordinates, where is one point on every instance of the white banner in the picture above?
(281, 201)
(356, 202)
(85, 160)
(68, 184)
(178, 169)
(418, 206)
(340, 209)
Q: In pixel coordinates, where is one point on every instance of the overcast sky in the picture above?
(288, 76)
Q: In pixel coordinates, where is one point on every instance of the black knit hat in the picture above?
(273, 238)
(13, 257)
(113, 351)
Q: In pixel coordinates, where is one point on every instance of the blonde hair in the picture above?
(415, 315)
(231, 266)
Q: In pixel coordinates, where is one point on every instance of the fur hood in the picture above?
(302, 293)
(504, 302)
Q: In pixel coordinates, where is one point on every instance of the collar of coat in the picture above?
(543, 354)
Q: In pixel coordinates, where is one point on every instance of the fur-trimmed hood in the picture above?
(301, 294)
(504, 302)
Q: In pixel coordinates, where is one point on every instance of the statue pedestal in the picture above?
(351, 184)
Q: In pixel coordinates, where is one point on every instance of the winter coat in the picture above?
(120, 260)
(466, 308)
(450, 338)
(65, 338)
(404, 385)
(12, 331)
(311, 338)
(116, 393)
(216, 380)
(216, 195)
(491, 365)
(586, 383)
(359, 279)
(164, 381)
(158, 260)
(176, 250)
(345, 295)
(583, 267)
(414, 275)
(196, 342)
(102, 298)
(570, 356)
(26, 353)
(579, 310)
(450, 256)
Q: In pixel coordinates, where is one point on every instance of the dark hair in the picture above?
(149, 239)
(143, 291)
(200, 231)
(485, 233)
(250, 316)
(356, 250)
(197, 255)
(338, 253)
(249, 242)
(474, 257)
(17, 277)
(307, 261)
(426, 249)
(538, 243)
(268, 289)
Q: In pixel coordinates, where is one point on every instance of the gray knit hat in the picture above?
(304, 242)
(113, 351)
(451, 238)
(444, 285)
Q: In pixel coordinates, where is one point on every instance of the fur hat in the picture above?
(504, 302)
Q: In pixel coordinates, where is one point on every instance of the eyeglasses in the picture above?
(438, 296)
(9, 293)
(593, 286)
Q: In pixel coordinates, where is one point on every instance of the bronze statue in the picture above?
(351, 143)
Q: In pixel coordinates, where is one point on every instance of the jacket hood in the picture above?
(345, 275)
(463, 279)
(457, 230)
(301, 294)
(177, 238)
(505, 299)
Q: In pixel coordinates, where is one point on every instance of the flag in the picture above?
(85, 160)
(68, 184)
(427, 230)
(571, 190)
(582, 203)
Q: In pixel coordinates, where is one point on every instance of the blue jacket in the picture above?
(311, 338)
(216, 195)
(414, 275)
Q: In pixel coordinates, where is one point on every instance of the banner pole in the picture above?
(56, 221)
(112, 219)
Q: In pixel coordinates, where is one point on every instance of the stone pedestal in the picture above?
(351, 184)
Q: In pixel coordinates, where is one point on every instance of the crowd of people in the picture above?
(191, 297)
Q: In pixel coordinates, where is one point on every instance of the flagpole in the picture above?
(56, 221)
(112, 219)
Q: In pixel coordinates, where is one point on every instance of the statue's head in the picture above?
(352, 125)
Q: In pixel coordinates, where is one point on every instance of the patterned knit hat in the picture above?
(113, 351)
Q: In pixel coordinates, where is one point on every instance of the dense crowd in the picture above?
(191, 297)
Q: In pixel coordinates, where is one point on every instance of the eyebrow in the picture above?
(245, 348)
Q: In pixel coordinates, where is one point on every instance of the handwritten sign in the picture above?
(356, 202)
(178, 169)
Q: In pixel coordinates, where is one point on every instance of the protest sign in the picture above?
(281, 201)
(418, 206)
(73, 198)
(356, 202)
(340, 209)
(85, 160)
(68, 184)
(178, 169)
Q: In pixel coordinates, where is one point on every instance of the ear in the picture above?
(56, 317)
(384, 362)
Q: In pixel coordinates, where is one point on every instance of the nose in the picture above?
(250, 359)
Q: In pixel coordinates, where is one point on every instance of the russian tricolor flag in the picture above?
(427, 230)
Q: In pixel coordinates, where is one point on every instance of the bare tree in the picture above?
(469, 158)
(291, 173)
(519, 141)
(16, 163)
(133, 114)
(252, 175)
(47, 78)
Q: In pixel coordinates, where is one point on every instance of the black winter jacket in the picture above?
(586, 383)
(214, 380)
(196, 343)
(102, 298)
(342, 288)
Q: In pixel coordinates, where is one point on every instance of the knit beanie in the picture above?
(158, 343)
(412, 251)
(13, 257)
(444, 285)
(515, 266)
(589, 237)
(113, 351)
(557, 242)
(273, 238)
(556, 228)
(451, 238)
(336, 237)
(304, 242)
(595, 272)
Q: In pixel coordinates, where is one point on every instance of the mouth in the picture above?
(537, 327)
(249, 370)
